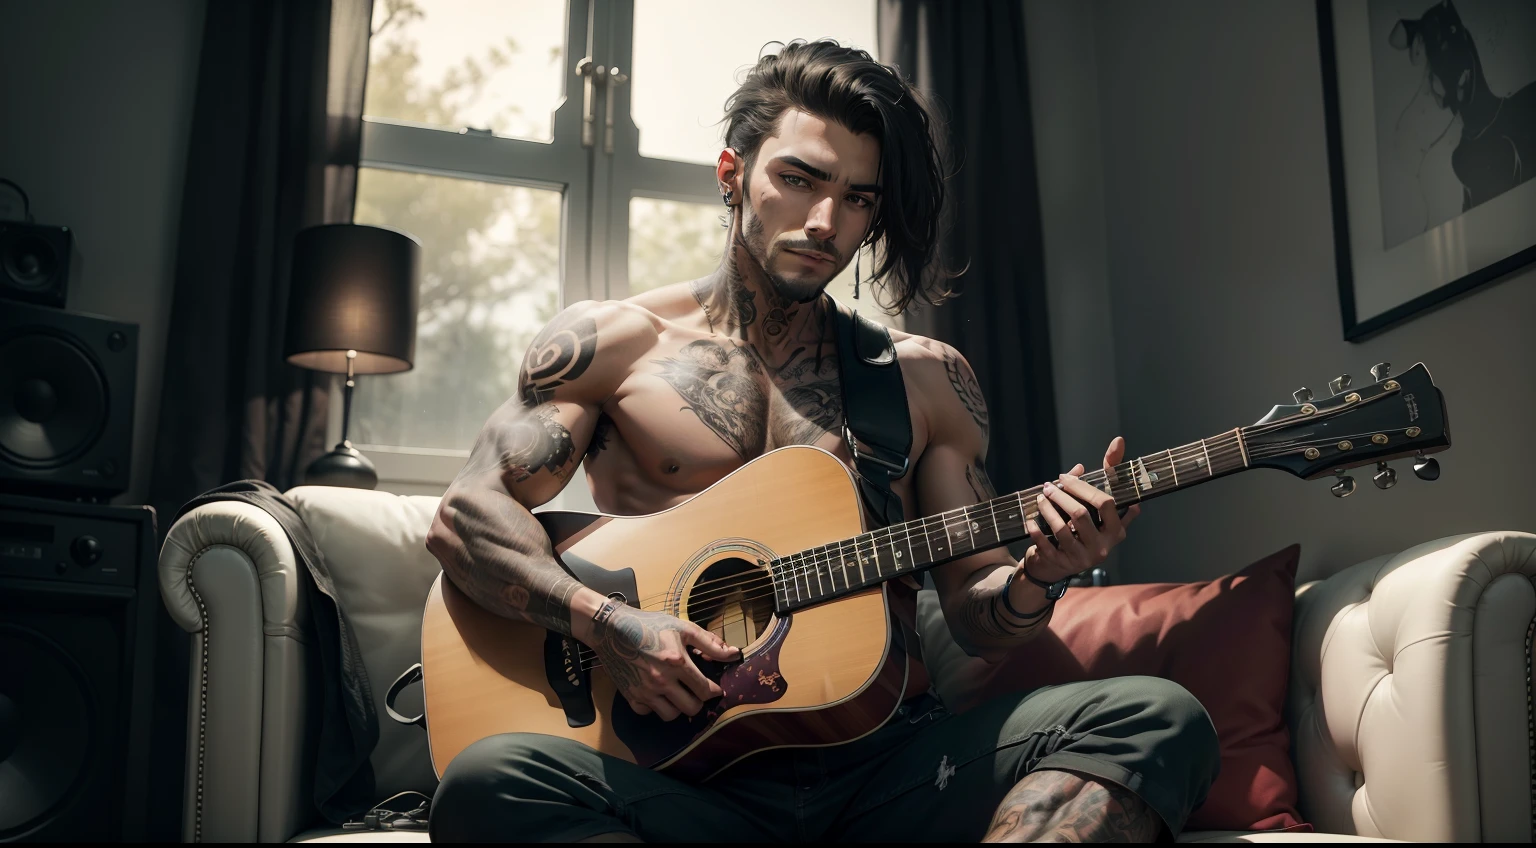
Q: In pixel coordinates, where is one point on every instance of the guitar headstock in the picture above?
(1390, 418)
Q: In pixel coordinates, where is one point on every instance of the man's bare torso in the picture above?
(699, 404)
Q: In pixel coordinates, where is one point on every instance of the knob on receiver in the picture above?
(85, 550)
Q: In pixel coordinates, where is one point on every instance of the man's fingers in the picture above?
(663, 708)
(682, 699)
(638, 707)
(1130, 515)
(1053, 518)
(1115, 453)
(709, 644)
(1085, 492)
(702, 687)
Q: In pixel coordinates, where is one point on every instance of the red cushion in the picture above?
(1228, 641)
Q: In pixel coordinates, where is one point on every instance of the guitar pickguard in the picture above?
(754, 680)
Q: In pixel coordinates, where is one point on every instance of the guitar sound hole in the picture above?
(733, 598)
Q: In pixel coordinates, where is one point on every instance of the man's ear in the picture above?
(731, 173)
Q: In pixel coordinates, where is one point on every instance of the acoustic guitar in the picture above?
(775, 557)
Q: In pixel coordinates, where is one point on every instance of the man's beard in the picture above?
(797, 289)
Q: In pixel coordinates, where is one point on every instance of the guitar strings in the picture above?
(820, 559)
(803, 562)
(836, 555)
(814, 559)
(1227, 445)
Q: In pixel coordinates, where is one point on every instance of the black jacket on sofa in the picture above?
(349, 725)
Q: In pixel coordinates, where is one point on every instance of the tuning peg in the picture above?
(1302, 395)
(1426, 468)
(1385, 478)
(1344, 488)
(1381, 371)
(1339, 383)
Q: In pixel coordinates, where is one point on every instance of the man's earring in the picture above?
(727, 198)
(858, 254)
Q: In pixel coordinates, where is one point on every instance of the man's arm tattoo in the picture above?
(987, 624)
(500, 556)
(963, 379)
(561, 352)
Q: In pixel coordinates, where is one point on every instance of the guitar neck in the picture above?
(820, 574)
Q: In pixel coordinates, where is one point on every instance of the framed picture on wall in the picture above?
(1431, 111)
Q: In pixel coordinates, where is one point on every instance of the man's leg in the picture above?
(527, 787)
(1124, 758)
(1060, 806)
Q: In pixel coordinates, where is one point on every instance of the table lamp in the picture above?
(351, 310)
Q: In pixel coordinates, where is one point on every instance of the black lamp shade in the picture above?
(354, 288)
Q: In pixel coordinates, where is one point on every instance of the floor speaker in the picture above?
(77, 602)
(66, 402)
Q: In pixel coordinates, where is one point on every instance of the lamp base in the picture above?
(344, 466)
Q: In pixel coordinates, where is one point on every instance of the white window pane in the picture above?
(490, 64)
(679, 95)
(670, 242)
(490, 279)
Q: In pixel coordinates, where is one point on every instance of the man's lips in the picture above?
(813, 254)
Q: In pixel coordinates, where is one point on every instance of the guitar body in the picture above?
(823, 675)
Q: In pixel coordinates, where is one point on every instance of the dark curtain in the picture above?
(275, 137)
(276, 129)
(969, 58)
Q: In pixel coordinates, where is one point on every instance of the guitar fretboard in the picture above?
(830, 571)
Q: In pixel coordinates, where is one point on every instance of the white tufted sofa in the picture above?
(1409, 700)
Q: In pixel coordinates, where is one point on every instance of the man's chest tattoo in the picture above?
(720, 386)
(725, 387)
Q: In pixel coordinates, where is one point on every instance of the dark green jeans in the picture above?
(925, 775)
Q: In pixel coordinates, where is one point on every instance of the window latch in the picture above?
(594, 75)
(615, 79)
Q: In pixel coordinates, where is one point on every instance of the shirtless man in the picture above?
(668, 392)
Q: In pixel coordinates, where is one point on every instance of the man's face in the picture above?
(811, 194)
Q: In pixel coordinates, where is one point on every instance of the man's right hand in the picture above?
(646, 655)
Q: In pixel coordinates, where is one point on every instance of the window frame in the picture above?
(596, 187)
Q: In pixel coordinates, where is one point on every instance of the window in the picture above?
(532, 182)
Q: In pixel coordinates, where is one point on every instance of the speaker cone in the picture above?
(45, 730)
(30, 261)
(52, 400)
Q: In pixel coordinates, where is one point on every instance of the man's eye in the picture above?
(859, 200)
(796, 180)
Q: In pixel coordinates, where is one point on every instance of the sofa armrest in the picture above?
(1408, 698)
(229, 576)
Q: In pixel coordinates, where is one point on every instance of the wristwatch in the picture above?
(1053, 591)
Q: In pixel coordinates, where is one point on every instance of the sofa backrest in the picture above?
(376, 546)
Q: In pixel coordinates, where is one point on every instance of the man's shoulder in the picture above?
(943, 384)
(926, 359)
(612, 321)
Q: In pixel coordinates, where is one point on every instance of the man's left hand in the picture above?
(1079, 544)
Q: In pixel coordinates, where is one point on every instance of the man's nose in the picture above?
(821, 223)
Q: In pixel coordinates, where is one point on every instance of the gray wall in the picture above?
(97, 105)
(1220, 276)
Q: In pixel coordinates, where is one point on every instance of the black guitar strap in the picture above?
(877, 427)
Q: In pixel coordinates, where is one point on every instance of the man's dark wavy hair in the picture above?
(848, 86)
